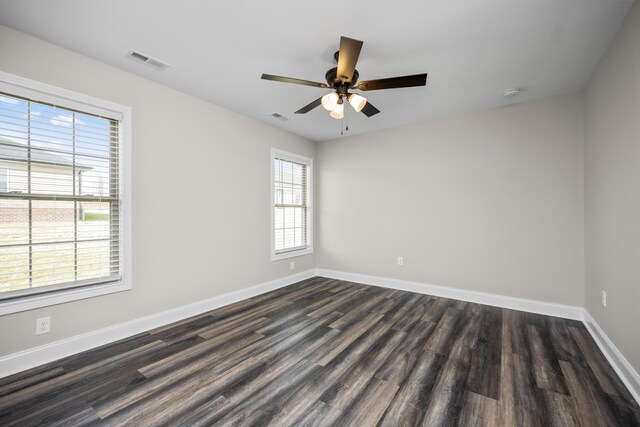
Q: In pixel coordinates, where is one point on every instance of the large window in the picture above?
(61, 194)
(291, 205)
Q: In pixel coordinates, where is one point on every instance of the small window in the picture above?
(291, 225)
(62, 195)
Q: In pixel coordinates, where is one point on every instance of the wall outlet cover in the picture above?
(43, 325)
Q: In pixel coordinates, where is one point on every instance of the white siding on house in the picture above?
(45, 179)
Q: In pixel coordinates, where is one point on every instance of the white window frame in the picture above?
(285, 155)
(41, 92)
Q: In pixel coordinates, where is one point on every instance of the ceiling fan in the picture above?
(344, 78)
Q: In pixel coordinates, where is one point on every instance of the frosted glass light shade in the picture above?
(338, 111)
(330, 100)
(357, 102)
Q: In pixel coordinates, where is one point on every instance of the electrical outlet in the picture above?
(43, 325)
(400, 260)
(604, 298)
(292, 266)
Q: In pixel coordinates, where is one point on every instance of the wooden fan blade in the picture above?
(294, 81)
(369, 110)
(348, 57)
(310, 106)
(394, 82)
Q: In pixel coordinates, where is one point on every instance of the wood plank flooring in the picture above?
(325, 352)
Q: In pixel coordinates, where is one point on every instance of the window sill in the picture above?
(53, 298)
(292, 254)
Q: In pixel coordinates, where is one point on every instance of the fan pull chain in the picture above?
(345, 115)
(347, 119)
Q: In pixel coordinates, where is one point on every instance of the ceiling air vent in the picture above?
(141, 57)
(280, 117)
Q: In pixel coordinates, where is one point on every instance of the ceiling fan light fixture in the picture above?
(330, 100)
(338, 111)
(357, 102)
(344, 77)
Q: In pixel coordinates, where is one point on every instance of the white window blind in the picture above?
(291, 204)
(60, 203)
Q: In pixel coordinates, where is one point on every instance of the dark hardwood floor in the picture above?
(327, 352)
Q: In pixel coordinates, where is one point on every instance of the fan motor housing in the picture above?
(332, 78)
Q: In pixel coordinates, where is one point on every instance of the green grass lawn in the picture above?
(96, 216)
(53, 263)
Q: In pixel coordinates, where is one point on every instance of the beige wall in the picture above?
(489, 201)
(208, 237)
(612, 190)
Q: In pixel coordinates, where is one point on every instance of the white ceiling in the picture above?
(472, 50)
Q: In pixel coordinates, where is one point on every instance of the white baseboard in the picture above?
(620, 364)
(20, 361)
(532, 306)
